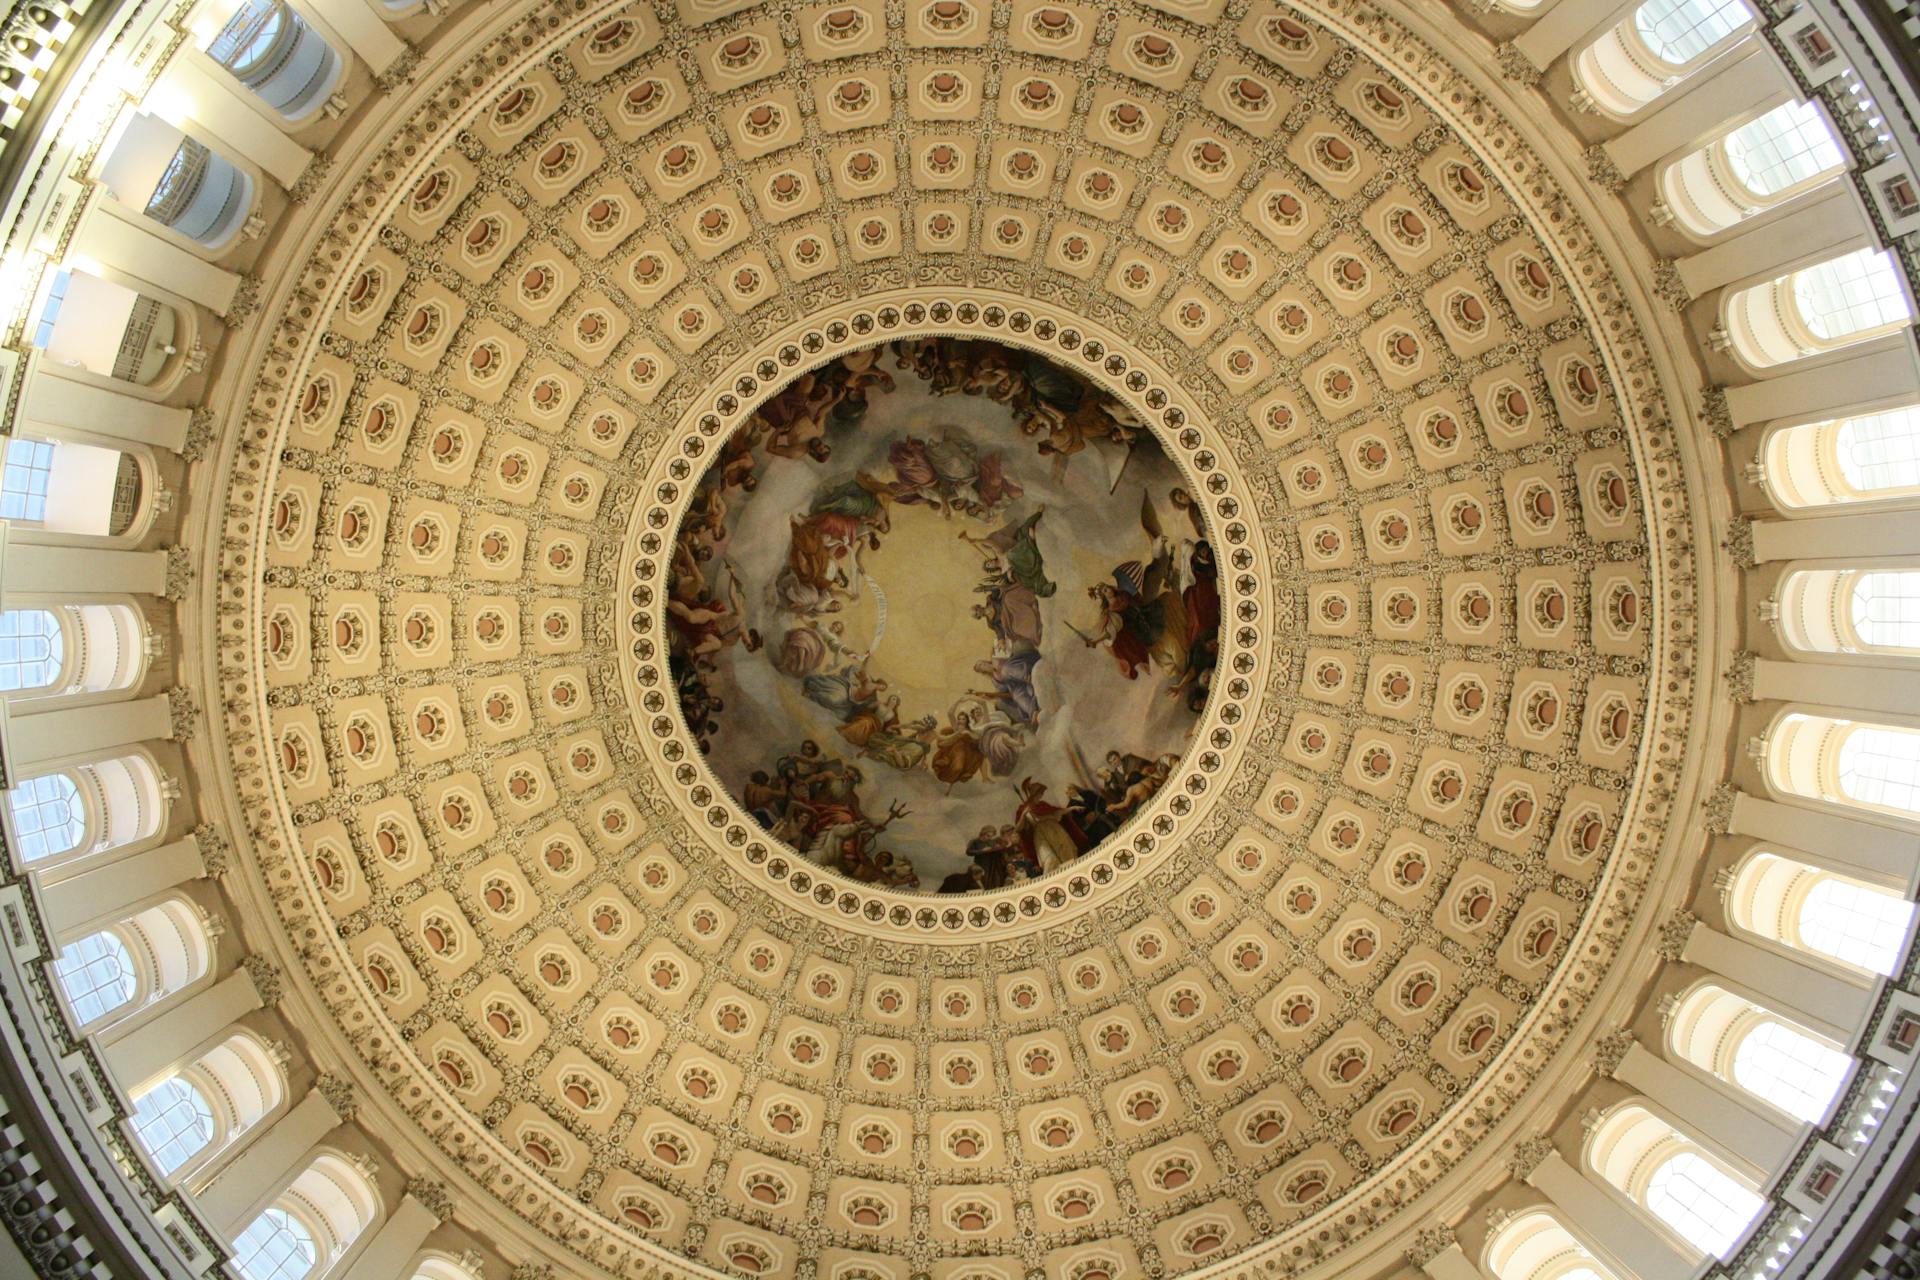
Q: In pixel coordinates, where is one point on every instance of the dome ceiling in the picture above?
(666, 397)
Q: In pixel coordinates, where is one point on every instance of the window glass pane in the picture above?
(173, 1122)
(1850, 295)
(1678, 31)
(1885, 608)
(274, 1247)
(97, 974)
(1854, 923)
(30, 649)
(1784, 147)
(24, 473)
(1882, 450)
(50, 314)
(1789, 1069)
(1701, 1203)
(249, 36)
(48, 816)
(1881, 766)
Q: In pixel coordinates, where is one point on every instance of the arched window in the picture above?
(188, 1119)
(1856, 924)
(31, 650)
(1701, 1205)
(1701, 1201)
(1789, 145)
(174, 1122)
(83, 648)
(105, 804)
(1812, 910)
(1856, 294)
(1884, 609)
(274, 52)
(1847, 762)
(1869, 458)
(152, 954)
(176, 180)
(1534, 1246)
(1851, 611)
(313, 1223)
(1662, 43)
(1679, 31)
(1755, 1049)
(1817, 309)
(1879, 766)
(1879, 452)
(66, 487)
(103, 327)
(1762, 163)
(275, 1246)
(1790, 1069)
(48, 816)
(98, 976)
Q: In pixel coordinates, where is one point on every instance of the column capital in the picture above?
(311, 179)
(1430, 1242)
(1738, 544)
(1675, 932)
(1739, 676)
(216, 854)
(183, 714)
(1610, 1049)
(200, 431)
(339, 1093)
(1601, 168)
(1528, 1154)
(179, 573)
(433, 1196)
(1717, 809)
(1515, 65)
(1668, 285)
(266, 978)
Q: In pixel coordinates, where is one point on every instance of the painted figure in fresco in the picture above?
(1162, 610)
(823, 551)
(957, 756)
(1011, 553)
(1048, 833)
(848, 693)
(1012, 611)
(793, 423)
(974, 877)
(903, 747)
(704, 625)
(990, 852)
(1046, 400)
(812, 801)
(701, 628)
(1012, 678)
(950, 475)
(1202, 598)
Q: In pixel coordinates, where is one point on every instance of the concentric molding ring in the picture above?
(1216, 755)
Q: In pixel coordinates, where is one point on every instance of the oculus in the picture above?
(943, 615)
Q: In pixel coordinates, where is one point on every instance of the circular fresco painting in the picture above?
(943, 615)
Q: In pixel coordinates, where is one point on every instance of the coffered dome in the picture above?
(1033, 641)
